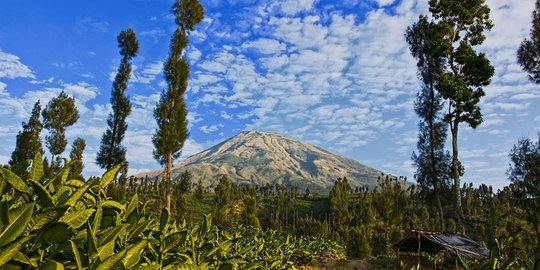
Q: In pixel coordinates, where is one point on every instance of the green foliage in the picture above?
(111, 151)
(528, 53)
(432, 162)
(524, 172)
(339, 203)
(56, 223)
(460, 26)
(28, 142)
(171, 111)
(501, 257)
(76, 156)
(60, 113)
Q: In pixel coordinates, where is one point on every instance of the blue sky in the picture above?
(337, 74)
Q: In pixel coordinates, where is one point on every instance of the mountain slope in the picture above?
(262, 157)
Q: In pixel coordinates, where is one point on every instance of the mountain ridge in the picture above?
(256, 157)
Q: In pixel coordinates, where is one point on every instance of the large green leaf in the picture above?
(164, 220)
(7, 253)
(76, 254)
(111, 234)
(13, 180)
(105, 251)
(60, 178)
(22, 259)
(133, 203)
(186, 266)
(79, 193)
(37, 167)
(110, 175)
(134, 254)
(112, 261)
(173, 240)
(75, 183)
(61, 194)
(136, 230)
(57, 233)
(113, 205)
(494, 255)
(92, 241)
(42, 194)
(76, 219)
(97, 218)
(40, 219)
(18, 219)
(51, 265)
(4, 208)
(207, 223)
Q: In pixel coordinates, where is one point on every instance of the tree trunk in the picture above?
(456, 172)
(439, 206)
(434, 173)
(168, 182)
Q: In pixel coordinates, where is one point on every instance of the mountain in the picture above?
(263, 157)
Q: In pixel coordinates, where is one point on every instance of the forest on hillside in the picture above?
(52, 217)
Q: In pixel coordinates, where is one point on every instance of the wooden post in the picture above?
(418, 254)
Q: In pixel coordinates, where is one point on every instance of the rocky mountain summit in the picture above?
(263, 157)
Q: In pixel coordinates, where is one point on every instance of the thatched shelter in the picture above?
(435, 242)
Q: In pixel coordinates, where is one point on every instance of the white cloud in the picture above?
(383, 3)
(265, 45)
(154, 34)
(11, 67)
(291, 7)
(148, 74)
(88, 24)
(210, 129)
(225, 115)
(81, 91)
(49, 80)
(194, 55)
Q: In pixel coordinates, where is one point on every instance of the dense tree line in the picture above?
(367, 222)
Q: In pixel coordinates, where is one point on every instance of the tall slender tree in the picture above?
(76, 156)
(28, 142)
(171, 111)
(432, 162)
(529, 51)
(60, 113)
(465, 73)
(339, 204)
(111, 151)
(524, 172)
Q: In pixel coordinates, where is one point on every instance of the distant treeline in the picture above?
(367, 222)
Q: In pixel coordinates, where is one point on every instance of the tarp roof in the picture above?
(434, 242)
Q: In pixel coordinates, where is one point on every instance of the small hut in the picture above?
(435, 242)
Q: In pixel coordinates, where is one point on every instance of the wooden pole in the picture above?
(418, 254)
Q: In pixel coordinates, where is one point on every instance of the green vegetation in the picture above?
(171, 110)
(463, 72)
(59, 114)
(528, 53)
(57, 223)
(28, 142)
(111, 151)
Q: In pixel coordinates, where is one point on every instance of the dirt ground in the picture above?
(350, 264)
(341, 265)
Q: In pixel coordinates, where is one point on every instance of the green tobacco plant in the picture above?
(59, 223)
(501, 257)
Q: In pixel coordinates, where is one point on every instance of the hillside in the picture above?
(263, 157)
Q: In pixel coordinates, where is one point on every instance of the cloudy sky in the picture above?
(337, 74)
